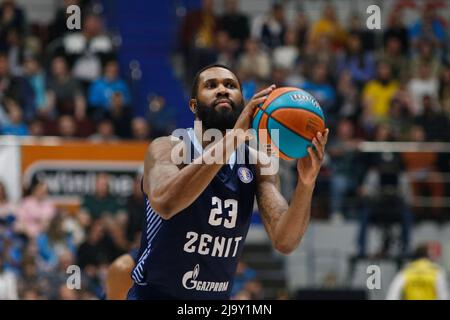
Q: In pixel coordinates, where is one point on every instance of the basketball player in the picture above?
(198, 214)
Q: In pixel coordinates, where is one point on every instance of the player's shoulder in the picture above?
(164, 142)
(163, 148)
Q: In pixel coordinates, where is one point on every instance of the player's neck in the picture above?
(199, 134)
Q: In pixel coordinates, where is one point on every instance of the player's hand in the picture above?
(308, 167)
(244, 120)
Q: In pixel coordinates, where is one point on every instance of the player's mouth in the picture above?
(223, 103)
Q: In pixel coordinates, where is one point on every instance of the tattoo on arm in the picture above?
(271, 203)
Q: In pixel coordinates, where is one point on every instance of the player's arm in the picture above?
(171, 189)
(286, 224)
(118, 278)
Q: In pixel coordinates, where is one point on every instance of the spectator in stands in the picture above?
(36, 128)
(101, 90)
(105, 132)
(135, 209)
(278, 77)
(400, 119)
(347, 96)
(29, 273)
(161, 116)
(421, 279)
(383, 198)
(11, 17)
(88, 49)
(254, 62)
(329, 26)
(54, 242)
(52, 281)
(320, 87)
(98, 249)
(101, 203)
(287, 55)
(426, 56)
(444, 90)
(317, 52)
(376, 97)
(234, 22)
(358, 27)
(243, 275)
(397, 30)
(64, 93)
(36, 210)
(225, 49)
(15, 51)
(67, 127)
(140, 129)
(358, 62)
(91, 252)
(197, 38)
(121, 115)
(15, 126)
(424, 177)
(435, 123)
(16, 88)
(424, 85)
(393, 55)
(344, 169)
(274, 28)
(430, 28)
(301, 27)
(35, 76)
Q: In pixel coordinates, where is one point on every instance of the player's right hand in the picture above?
(244, 120)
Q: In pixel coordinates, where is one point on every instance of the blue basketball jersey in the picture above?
(194, 254)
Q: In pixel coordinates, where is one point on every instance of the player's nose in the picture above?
(222, 90)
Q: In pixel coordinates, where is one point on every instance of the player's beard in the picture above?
(218, 118)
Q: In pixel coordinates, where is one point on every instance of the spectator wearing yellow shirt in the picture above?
(421, 279)
(377, 95)
(329, 26)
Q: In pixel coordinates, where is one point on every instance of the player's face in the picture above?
(219, 99)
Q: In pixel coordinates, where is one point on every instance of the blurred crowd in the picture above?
(39, 241)
(61, 82)
(389, 85)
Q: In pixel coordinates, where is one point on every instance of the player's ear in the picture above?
(193, 105)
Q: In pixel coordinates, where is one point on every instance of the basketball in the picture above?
(296, 115)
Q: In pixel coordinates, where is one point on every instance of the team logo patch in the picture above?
(245, 175)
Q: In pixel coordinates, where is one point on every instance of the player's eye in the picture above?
(210, 85)
(231, 85)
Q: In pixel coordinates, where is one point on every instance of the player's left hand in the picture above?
(308, 167)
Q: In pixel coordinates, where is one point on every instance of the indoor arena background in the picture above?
(79, 107)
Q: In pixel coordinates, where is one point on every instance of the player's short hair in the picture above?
(194, 90)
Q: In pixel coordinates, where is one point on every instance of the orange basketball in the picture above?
(289, 119)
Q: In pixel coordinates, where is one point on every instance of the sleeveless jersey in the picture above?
(194, 254)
